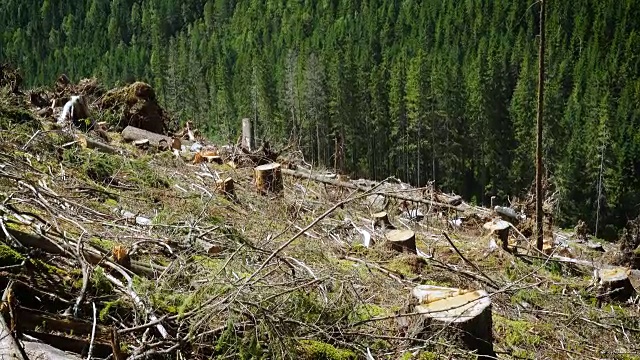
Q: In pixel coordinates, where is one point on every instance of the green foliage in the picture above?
(316, 350)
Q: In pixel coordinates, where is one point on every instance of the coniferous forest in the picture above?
(441, 91)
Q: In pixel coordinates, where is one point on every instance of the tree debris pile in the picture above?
(10, 77)
(139, 254)
(137, 106)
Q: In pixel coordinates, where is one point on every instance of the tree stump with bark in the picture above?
(501, 229)
(225, 187)
(465, 313)
(402, 241)
(614, 284)
(381, 220)
(268, 178)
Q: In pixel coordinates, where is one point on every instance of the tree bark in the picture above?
(247, 134)
(268, 178)
(402, 241)
(9, 348)
(131, 133)
(465, 314)
(381, 219)
(614, 284)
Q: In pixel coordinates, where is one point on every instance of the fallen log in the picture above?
(131, 133)
(92, 255)
(353, 185)
(41, 351)
(465, 314)
(100, 146)
(9, 348)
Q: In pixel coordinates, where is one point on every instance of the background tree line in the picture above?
(425, 90)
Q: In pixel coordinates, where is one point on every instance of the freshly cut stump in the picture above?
(381, 219)
(501, 229)
(402, 240)
(466, 313)
(268, 178)
(614, 284)
(225, 187)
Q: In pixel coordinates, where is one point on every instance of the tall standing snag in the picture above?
(268, 178)
(466, 313)
(247, 134)
(539, 229)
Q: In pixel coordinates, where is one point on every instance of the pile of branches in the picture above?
(147, 290)
(10, 77)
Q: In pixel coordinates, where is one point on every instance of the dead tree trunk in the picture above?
(9, 348)
(131, 133)
(268, 178)
(465, 314)
(350, 185)
(247, 134)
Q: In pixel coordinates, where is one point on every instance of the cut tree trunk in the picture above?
(225, 187)
(465, 313)
(402, 240)
(247, 134)
(501, 229)
(268, 178)
(381, 219)
(614, 284)
(131, 133)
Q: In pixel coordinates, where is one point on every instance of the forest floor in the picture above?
(135, 255)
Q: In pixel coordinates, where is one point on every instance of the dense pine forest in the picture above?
(441, 91)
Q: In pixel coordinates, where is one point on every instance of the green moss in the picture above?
(48, 268)
(530, 296)
(106, 310)
(317, 350)
(9, 257)
(100, 283)
(111, 202)
(367, 311)
(519, 333)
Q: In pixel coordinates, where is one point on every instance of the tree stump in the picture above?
(614, 284)
(402, 240)
(381, 219)
(465, 313)
(268, 178)
(225, 187)
(501, 229)
(247, 135)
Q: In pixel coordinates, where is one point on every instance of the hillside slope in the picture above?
(136, 255)
(434, 90)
